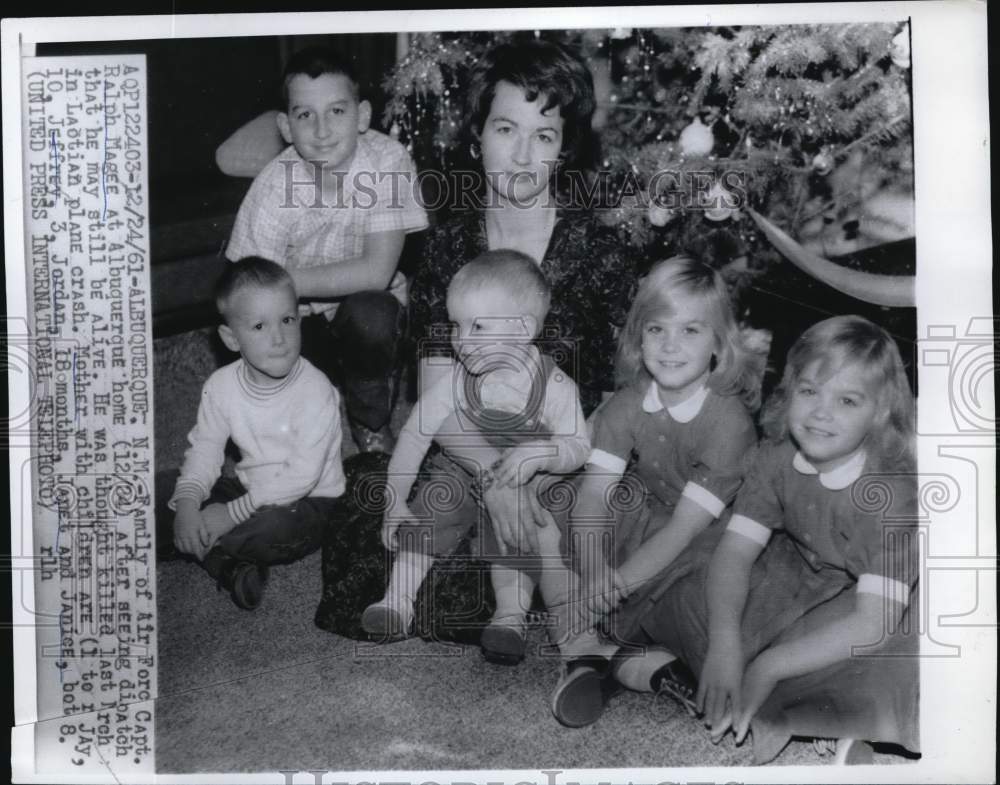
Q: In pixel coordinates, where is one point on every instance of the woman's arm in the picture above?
(510, 510)
(831, 643)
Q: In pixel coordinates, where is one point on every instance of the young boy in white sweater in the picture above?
(284, 416)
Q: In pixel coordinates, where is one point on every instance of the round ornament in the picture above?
(659, 215)
(697, 139)
(720, 201)
(823, 163)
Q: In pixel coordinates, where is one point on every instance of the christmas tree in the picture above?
(809, 125)
(744, 146)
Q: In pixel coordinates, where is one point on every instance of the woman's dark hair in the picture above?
(540, 68)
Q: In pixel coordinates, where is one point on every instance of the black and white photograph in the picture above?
(534, 396)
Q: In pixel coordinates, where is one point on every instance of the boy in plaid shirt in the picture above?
(334, 209)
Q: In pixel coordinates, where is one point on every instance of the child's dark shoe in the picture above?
(387, 622)
(503, 644)
(584, 689)
(245, 581)
(248, 581)
(676, 682)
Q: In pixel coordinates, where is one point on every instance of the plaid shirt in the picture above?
(285, 218)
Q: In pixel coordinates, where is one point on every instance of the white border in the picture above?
(953, 255)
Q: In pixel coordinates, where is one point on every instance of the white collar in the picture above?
(685, 411)
(835, 479)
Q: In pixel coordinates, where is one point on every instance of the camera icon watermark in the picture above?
(962, 361)
(499, 384)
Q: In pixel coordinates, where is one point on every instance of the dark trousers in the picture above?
(273, 534)
(360, 350)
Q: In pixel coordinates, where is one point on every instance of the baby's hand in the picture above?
(189, 529)
(398, 514)
(217, 523)
(522, 463)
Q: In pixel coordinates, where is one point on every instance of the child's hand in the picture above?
(605, 593)
(522, 463)
(398, 514)
(719, 688)
(758, 683)
(217, 523)
(189, 529)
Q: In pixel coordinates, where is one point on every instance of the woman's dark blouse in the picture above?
(592, 279)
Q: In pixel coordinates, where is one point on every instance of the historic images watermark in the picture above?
(307, 184)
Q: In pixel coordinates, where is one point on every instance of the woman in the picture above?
(530, 107)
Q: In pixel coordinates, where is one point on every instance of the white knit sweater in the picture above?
(288, 436)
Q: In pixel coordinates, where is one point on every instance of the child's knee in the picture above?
(370, 318)
(549, 540)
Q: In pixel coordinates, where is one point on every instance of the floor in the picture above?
(269, 691)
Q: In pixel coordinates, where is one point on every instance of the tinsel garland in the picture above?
(785, 105)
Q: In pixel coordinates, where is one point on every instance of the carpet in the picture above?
(266, 690)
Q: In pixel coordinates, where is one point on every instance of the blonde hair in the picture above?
(734, 370)
(846, 340)
(507, 273)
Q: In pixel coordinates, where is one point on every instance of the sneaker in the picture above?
(246, 581)
(385, 622)
(676, 682)
(503, 644)
(584, 689)
(368, 440)
(853, 752)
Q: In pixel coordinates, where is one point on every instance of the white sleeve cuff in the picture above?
(704, 499)
(897, 591)
(606, 460)
(750, 529)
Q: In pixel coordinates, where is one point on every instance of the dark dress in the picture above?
(825, 542)
(592, 277)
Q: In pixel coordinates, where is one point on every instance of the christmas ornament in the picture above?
(697, 139)
(659, 215)
(720, 201)
(394, 131)
(899, 49)
(823, 163)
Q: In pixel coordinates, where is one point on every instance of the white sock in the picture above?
(513, 591)
(408, 573)
(636, 672)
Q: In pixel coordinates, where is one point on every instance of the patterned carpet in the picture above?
(268, 691)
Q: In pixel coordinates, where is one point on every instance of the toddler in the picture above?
(519, 400)
(284, 416)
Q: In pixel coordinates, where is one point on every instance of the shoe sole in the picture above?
(382, 623)
(580, 698)
(502, 645)
(248, 588)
